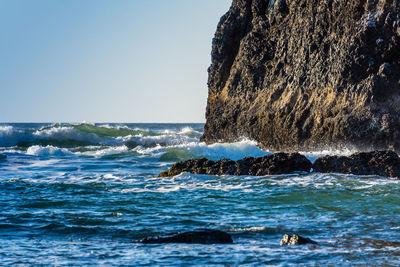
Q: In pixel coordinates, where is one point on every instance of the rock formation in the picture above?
(295, 240)
(194, 237)
(307, 75)
(382, 163)
(278, 163)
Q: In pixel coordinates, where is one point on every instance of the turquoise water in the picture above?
(82, 194)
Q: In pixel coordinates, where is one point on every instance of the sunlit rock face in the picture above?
(306, 75)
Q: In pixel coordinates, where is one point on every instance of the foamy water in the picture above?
(79, 194)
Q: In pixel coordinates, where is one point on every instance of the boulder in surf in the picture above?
(295, 240)
(278, 163)
(382, 163)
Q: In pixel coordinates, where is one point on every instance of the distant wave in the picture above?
(234, 151)
(10, 136)
(47, 151)
(166, 144)
(67, 136)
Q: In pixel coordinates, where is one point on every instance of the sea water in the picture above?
(83, 194)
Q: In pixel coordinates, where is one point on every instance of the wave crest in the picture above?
(47, 151)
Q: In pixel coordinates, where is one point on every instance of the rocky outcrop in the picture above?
(295, 240)
(277, 163)
(382, 163)
(194, 237)
(307, 75)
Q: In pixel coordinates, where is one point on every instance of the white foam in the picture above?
(234, 151)
(47, 151)
(108, 126)
(105, 151)
(164, 139)
(313, 156)
(9, 136)
(189, 131)
(250, 229)
(64, 134)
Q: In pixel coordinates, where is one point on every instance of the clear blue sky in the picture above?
(106, 60)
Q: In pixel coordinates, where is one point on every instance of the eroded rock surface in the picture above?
(307, 75)
(383, 163)
(194, 237)
(278, 163)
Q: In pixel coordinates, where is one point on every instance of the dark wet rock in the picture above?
(306, 75)
(3, 157)
(198, 166)
(296, 240)
(278, 163)
(194, 237)
(382, 163)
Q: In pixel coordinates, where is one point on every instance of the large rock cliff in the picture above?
(307, 75)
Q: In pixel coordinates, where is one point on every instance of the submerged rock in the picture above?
(278, 163)
(306, 75)
(194, 237)
(3, 157)
(382, 163)
(295, 240)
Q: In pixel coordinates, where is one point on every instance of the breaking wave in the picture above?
(47, 151)
(69, 135)
(166, 144)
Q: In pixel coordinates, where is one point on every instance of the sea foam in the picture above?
(63, 134)
(47, 151)
(10, 136)
(234, 151)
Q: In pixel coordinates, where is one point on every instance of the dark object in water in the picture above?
(193, 237)
(3, 157)
(278, 163)
(383, 163)
(296, 240)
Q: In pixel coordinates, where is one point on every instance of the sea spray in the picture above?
(87, 202)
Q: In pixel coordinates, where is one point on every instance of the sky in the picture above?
(106, 60)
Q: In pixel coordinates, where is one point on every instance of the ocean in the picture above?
(83, 194)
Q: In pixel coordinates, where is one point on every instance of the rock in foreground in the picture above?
(194, 237)
(278, 163)
(382, 163)
(296, 240)
(306, 75)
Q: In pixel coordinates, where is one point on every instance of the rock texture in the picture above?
(382, 163)
(306, 75)
(295, 240)
(194, 237)
(277, 163)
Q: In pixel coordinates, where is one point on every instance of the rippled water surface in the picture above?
(83, 194)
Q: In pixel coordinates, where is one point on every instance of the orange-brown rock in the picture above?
(307, 75)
